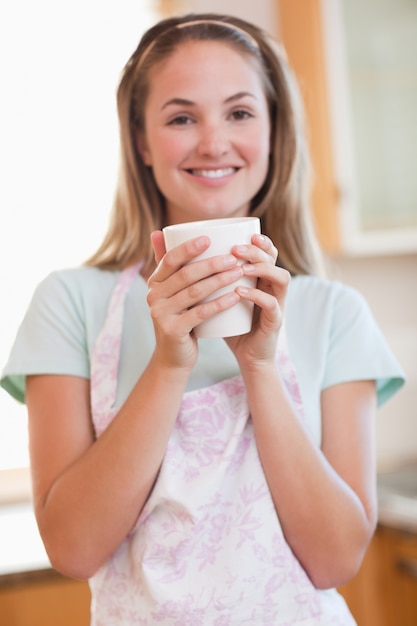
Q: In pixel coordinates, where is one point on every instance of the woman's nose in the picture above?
(213, 141)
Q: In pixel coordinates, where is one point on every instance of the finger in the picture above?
(158, 244)
(178, 301)
(269, 305)
(180, 320)
(181, 255)
(275, 275)
(193, 283)
(252, 254)
(201, 312)
(265, 244)
(207, 288)
(189, 276)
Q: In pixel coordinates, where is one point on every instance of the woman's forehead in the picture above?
(193, 61)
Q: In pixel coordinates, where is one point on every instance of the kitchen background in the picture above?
(357, 67)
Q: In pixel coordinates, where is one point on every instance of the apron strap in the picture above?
(105, 356)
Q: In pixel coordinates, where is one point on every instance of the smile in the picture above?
(220, 173)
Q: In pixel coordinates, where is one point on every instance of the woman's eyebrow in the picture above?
(239, 95)
(185, 102)
(178, 102)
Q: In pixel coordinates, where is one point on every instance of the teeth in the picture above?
(214, 173)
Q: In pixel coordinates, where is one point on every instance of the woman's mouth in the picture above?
(213, 173)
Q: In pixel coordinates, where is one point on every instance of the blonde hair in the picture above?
(282, 202)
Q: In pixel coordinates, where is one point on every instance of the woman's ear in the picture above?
(142, 148)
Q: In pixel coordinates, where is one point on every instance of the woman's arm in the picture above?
(325, 499)
(88, 493)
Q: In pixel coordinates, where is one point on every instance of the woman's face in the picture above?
(207, 131)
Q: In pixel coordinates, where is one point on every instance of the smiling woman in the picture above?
(58, 152)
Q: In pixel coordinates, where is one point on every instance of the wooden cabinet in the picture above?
(363, 594)
(301, 31)
(384, 593)
(399, 577)
(43, 598)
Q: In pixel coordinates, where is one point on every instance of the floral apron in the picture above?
(208, 548)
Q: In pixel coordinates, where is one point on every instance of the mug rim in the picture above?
(212, 223)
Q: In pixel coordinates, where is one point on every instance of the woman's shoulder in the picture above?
(323, 294)
(82, 283)
(79, 278)
(329, 308)
(308, 282)
(71, 297)
(337, 319)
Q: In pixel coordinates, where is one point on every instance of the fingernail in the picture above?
(236, 273)
(248, 268)
(229, 260)
(201, 242)
(233, 297)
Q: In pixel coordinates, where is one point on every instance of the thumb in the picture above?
(158, 244)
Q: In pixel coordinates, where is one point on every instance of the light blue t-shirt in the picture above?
(331, 333)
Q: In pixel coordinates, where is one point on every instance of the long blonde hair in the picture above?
(282, 203)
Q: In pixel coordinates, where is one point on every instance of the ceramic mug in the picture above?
(224, 233)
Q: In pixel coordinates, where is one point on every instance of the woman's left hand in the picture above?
(259, 346)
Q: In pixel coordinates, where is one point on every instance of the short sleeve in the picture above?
(51, 338)
(357, 350)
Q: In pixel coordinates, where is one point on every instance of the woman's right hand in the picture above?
(176, 290)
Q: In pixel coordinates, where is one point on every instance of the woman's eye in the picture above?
(241, 114)
(180, 120)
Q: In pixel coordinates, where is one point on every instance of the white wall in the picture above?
(263, 13)
(59, 66)
(390, 286)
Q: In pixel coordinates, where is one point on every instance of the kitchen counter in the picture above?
(397, 498)
(22, 554)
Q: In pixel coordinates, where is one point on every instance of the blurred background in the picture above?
(356, 62)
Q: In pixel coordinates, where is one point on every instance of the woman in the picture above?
(214, 481)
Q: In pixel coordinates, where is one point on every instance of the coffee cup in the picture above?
(224, 233)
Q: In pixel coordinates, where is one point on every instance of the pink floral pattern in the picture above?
(208, 548)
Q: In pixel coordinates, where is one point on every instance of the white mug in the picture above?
(224, 233)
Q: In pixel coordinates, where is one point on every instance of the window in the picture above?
(60, 65)
(371, 55)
